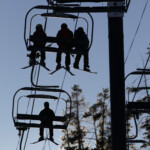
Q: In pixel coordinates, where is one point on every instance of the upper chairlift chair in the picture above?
(20, 117)
(29, 39)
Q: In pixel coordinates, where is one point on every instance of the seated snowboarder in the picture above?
(81, 45)
(46, 117)
(39, 42)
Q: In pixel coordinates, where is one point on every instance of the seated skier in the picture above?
(46, 117)
(64, 33)
(39, 42)
(81, 45)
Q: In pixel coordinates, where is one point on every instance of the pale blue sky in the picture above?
(13, 57)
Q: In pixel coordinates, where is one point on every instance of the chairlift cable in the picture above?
(49, 145)
(46, 20)
(48, 141)
(35, 90)
(18, 143)
(136, 126)
(31, 92)
(61, 89)
(44, 145)
(32, 109)
(136, 32)
(92, 34)
(35, 73)
(145, 81)
(26, 113)
(77, 18)
(45, 140)
(141, 77)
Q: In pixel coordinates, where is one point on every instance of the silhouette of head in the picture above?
(80, 29)
(39, 27)
(46, 105)
(64, 26)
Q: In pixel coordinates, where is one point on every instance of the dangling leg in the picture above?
(58, 60)
(86, 62)
(51, 131)
(67, 61)
(41, 134)
(42, 58)
(51, 134)
(32, 58)
(77, 60)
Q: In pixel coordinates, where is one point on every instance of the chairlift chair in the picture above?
(18, 117)
(30, 39)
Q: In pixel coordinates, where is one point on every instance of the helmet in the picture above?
(38, 26)
(80, 29)
(64, 25)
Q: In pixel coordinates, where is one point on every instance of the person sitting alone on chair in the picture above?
(64, 33)
(46, 116)
(81, 45)
(39, 41)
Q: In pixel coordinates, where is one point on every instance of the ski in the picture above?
(61, 68)
(85, 70)
(53, 141)
(37, 141)
(44, 140)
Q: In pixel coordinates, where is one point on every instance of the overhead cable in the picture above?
(32, 109)
(136, 32)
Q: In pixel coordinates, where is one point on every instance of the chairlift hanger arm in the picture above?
(92, 34)
(40, 86)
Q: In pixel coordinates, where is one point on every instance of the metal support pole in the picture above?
(117, 85)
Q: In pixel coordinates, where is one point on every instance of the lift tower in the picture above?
(117, 85)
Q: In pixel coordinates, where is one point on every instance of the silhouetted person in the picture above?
(64, 33)
(39, 41)
(46, 117)
(81, 45)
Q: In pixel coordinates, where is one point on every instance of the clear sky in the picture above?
(13, 57)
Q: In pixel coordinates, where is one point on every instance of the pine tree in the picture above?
(99, 115)
(73, 137)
